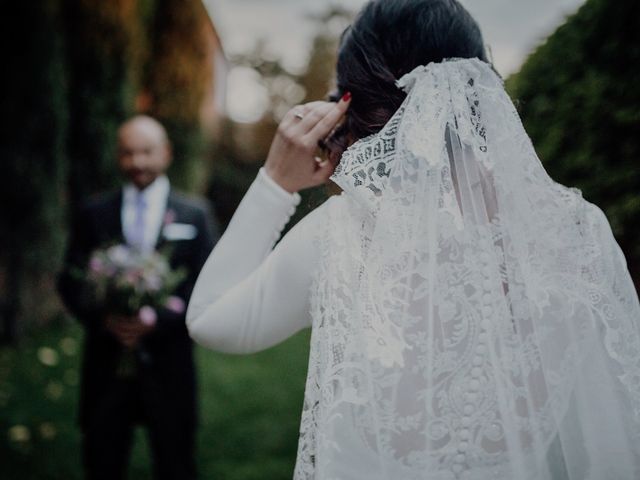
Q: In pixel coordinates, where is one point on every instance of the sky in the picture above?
(511, 29)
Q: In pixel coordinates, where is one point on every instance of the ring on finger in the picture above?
(299, 115)
(321, 162)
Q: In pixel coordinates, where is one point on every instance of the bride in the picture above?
(471, 318)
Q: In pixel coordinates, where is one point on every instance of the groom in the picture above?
(160, 393)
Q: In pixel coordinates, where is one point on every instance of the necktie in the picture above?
(137, 237)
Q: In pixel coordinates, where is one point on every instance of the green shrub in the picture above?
(580, 102)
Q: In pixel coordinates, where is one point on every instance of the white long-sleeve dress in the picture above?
(471, 319)
(248, 297)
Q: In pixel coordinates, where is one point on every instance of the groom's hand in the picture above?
(127, 330)
(292, 161)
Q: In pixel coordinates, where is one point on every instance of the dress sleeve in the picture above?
(248, 297)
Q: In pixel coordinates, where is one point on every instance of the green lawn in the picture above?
(249, 410)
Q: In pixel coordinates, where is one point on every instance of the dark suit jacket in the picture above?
(168, 349)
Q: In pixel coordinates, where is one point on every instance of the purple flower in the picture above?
(175, 304)
(96, 265)
(131, 277)
(169, 217)
(147, 316)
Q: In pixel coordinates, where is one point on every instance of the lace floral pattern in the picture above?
(465, 304)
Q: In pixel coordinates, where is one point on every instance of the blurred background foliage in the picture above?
(77, 68)
(242, 147)
(579, 99)
(33, 160)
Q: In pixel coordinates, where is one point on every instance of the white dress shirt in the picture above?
(155, 196)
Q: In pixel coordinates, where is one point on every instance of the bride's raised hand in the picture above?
(292, 161)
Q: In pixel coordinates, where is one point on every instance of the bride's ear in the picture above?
(334, 157)
(336, 144)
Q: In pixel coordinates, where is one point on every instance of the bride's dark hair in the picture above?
(388, 39)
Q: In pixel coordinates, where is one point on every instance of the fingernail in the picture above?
(346, 97)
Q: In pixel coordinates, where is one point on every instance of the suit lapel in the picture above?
(112, 219)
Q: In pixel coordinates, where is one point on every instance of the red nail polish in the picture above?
(346, 97)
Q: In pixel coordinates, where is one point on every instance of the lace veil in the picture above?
(473, 319)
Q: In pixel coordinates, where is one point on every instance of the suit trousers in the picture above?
(107, 434)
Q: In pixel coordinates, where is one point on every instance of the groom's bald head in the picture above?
(144, 151)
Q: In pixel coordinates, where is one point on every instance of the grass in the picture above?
(249, 411)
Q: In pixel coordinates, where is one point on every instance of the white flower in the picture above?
(119, 255)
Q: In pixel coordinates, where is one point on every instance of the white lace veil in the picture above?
(473, 319)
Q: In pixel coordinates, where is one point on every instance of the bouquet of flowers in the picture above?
(130, 284)
(124, 280)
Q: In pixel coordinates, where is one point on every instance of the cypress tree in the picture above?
(177, 74)
(101, 50)
(33, 164)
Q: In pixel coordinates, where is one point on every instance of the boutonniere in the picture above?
(169, 217)
(172, 230)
